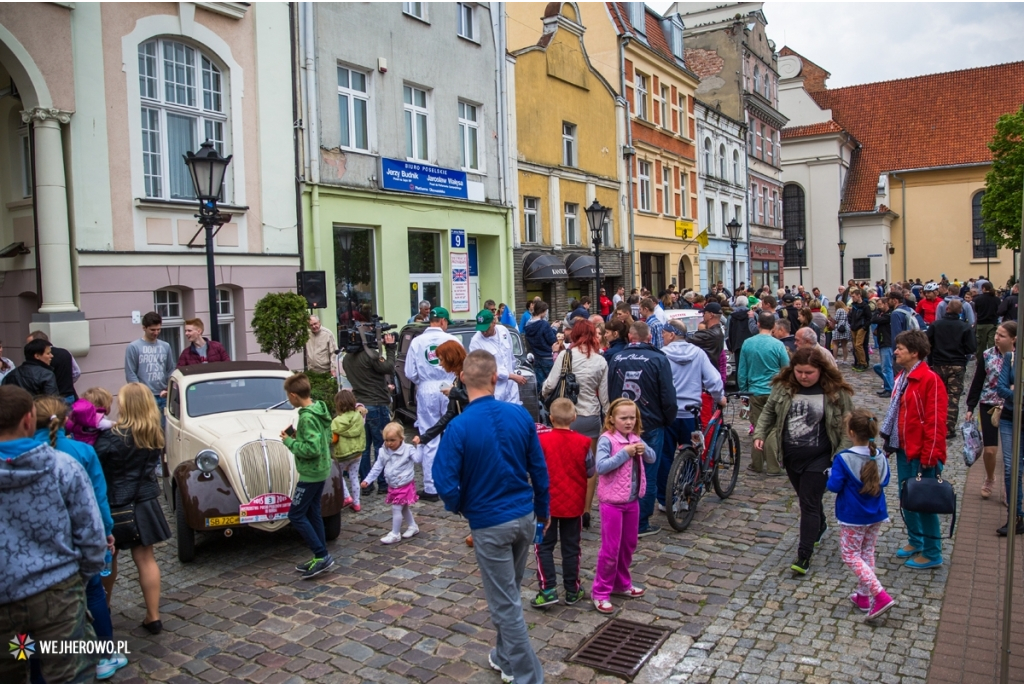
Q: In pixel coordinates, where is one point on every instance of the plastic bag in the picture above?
(973, 445)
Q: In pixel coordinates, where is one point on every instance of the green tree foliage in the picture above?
(281, 324)
(1004, 183)
(323, 386)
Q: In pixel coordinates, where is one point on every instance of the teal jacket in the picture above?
(86, 456)
(312, 443)
(761, 359)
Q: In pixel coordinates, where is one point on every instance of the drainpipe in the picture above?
(501, 84)
(629, 163)
(313, 129)
(903, 207)
(296, 127)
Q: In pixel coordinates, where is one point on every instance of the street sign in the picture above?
(684, 229)
(458, 238)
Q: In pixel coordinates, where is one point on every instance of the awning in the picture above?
(538, 266)
(581, 266)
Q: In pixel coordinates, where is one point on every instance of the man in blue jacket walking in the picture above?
(490, 468)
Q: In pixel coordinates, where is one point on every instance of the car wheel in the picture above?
(332, 526)
(185, 535)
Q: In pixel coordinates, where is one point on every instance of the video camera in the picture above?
(365, 334)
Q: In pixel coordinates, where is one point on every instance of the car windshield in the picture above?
(235, 394)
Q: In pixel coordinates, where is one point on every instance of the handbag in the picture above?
(996, 414)
(929, 496)
(126, 529)
(566, 386)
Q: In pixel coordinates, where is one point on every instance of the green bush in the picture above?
(324, 387)
(281, 324)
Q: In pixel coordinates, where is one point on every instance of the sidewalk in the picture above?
(970, 628)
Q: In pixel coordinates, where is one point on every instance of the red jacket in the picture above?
(922, 418)
(927, 309)
(606, 306)
(565, 452)
(215, 352)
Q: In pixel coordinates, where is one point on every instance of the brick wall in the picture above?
(704, 63)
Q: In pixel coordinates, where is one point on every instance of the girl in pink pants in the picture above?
(621, 483)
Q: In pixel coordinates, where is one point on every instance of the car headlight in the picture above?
(207, 461)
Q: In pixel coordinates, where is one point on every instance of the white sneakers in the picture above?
(107, 667)
(410, 531)
(391, 538)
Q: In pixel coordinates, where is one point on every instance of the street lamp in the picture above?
(207, 169)
(842, 262)
(800, 252)
(734, 228)
(597, 214)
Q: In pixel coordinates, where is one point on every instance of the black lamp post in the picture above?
(734, 228)
(345, 238)
(842, 261)
(800, 253)
(207, 169)
(597, 214)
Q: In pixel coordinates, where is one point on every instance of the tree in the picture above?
(281, 324)
(1004, 183)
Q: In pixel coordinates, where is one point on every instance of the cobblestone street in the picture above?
(415, 612)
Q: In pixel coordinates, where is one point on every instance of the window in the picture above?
(645, 185)
(352, 104)
(684, 198)
(26, 166)
(709, 223)
(641, 96)
(764, 205)
(531, 227)
(752, 202)
(725, 217)
(767, 87)
(182, 93)
(984, 249)
(721, 162)
(666, 189)
(416, 117)
(415, 9)
(607, 234)
(354, 279)
(226, 321)
(757, 79)
(862, 268)
(736, 167)
(167, 303)
(568, 144)
(666, 115)
(469, 135)
(768, 146)
(775, 205)
(716, 271)
(467, 21)
(572, 232)
(637, 16)
(760, 138)
(708, 167)
(794, 224)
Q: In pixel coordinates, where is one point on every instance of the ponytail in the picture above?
(871, 479)
(51, 413)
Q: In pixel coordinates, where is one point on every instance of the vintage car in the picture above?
(225, 466)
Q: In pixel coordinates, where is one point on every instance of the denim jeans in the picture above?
(305, 517)
(1006, 439)
(161, 404)
(377, 416)
(923, 530)
(96, 599)
(542, 369)
(884, 370)
(654, 438)
(675, 434)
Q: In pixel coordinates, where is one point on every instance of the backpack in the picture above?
(910, 321)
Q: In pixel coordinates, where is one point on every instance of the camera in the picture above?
(365, 334)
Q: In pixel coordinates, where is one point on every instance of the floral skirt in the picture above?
(405, 494)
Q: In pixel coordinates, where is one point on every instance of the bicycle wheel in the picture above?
(681, 498)
(727, 465)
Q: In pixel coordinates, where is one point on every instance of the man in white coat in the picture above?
(498, 341)
(423, 368)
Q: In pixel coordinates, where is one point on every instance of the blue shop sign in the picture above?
(425, 179)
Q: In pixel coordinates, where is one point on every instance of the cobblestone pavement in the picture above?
(415, 612)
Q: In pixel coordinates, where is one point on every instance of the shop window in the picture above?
(354, 278)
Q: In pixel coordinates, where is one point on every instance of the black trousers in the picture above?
(810, 490)
(569, 531)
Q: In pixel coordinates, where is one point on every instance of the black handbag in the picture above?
(126, 528)
(566, 386)
(929, 496)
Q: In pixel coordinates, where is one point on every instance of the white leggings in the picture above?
(400, 512)
(353, 475)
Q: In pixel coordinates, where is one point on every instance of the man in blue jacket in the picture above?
(643, 374)
(490, 468)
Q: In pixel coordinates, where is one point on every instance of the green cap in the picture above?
(484, 319)
(440, 313)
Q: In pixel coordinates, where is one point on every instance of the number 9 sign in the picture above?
(458, 238)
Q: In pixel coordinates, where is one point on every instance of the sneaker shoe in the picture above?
(586, 520)
(661, 507)
(604, 606)
(544, 598)
(428, 496)
(651, 530)
(318, 567)
(391, 538)
(305, 566)
(631, 593)
(410, 531)
(505, 677)
(880, 604)
(356, 507)
(862, 602)
(801, 565)
(347, 502)
(107, 667)
(821, 533)
(573, 597)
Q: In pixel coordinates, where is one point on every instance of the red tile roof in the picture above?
(811, 130)
(925, 121)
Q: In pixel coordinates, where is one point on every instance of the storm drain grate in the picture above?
(620, 647)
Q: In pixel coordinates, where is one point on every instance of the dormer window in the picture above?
(637, 17)
(675, 36)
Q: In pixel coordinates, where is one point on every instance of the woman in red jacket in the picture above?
(915, 429)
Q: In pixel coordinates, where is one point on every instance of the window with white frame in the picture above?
(666, 189)
(469, 135)
(725, 217)
(760, 139)
(572, 230)
(737, 213)
(183, 103)
(765, 218)
(644, 177)
(415, 9)
(684, 197)
(709, 223)
(167, 303)
(417, 117)
(641, 96)
(767, 86)
(708, 167)
(721, 162)
(775, 206)
(683, 117)
(666, 106)
(757, 79)
(26, 165)
(768, 146)
(752, 203)
(353, 105)
(226, 320)
(467, 20)
(736, 167)
(607, 234)
(531, 221)
(568, 144)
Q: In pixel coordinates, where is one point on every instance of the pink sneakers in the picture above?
(881, 604)
(862, 602)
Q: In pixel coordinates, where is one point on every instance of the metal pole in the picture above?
(211, 279)
(734, 268)
(842, 263)
(801, 267)
(596, 304)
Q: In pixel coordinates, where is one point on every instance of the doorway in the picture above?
(424, 269)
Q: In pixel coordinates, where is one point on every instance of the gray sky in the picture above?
(863, 42)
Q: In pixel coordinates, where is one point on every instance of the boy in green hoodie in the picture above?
(310, 442)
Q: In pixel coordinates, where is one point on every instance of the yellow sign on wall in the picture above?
(684, 229)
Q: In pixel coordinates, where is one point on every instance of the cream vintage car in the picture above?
(225, 464)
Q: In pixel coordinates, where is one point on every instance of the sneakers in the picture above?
(305, 566)
(632, 593)
(862, 602)
(1018, 528)
(604, 606)
(505, 677)
(410, 531)
(660, 506)
(573, 597)
(318, 567)
(391, 538)
(544, 598)
(801, 565)
(107, 667)
(347, 503)
(821, 533)
(880, 604)
(651, 530)
(428, 496)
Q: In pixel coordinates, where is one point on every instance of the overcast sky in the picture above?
(863, 42)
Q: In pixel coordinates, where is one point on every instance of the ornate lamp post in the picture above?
(207, 169)
(597, 214)
(734, 229)
(842, 261)
(800, 252)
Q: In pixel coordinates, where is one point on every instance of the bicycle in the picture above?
(690, 477)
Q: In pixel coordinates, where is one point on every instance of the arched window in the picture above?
(793, 223)
(983, 248)
(721, 162)
(736, 167)
(767, 87)
(183, 105)
(708, 167)
(757, 79)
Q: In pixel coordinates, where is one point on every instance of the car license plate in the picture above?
(217, 521)
(270, 507)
